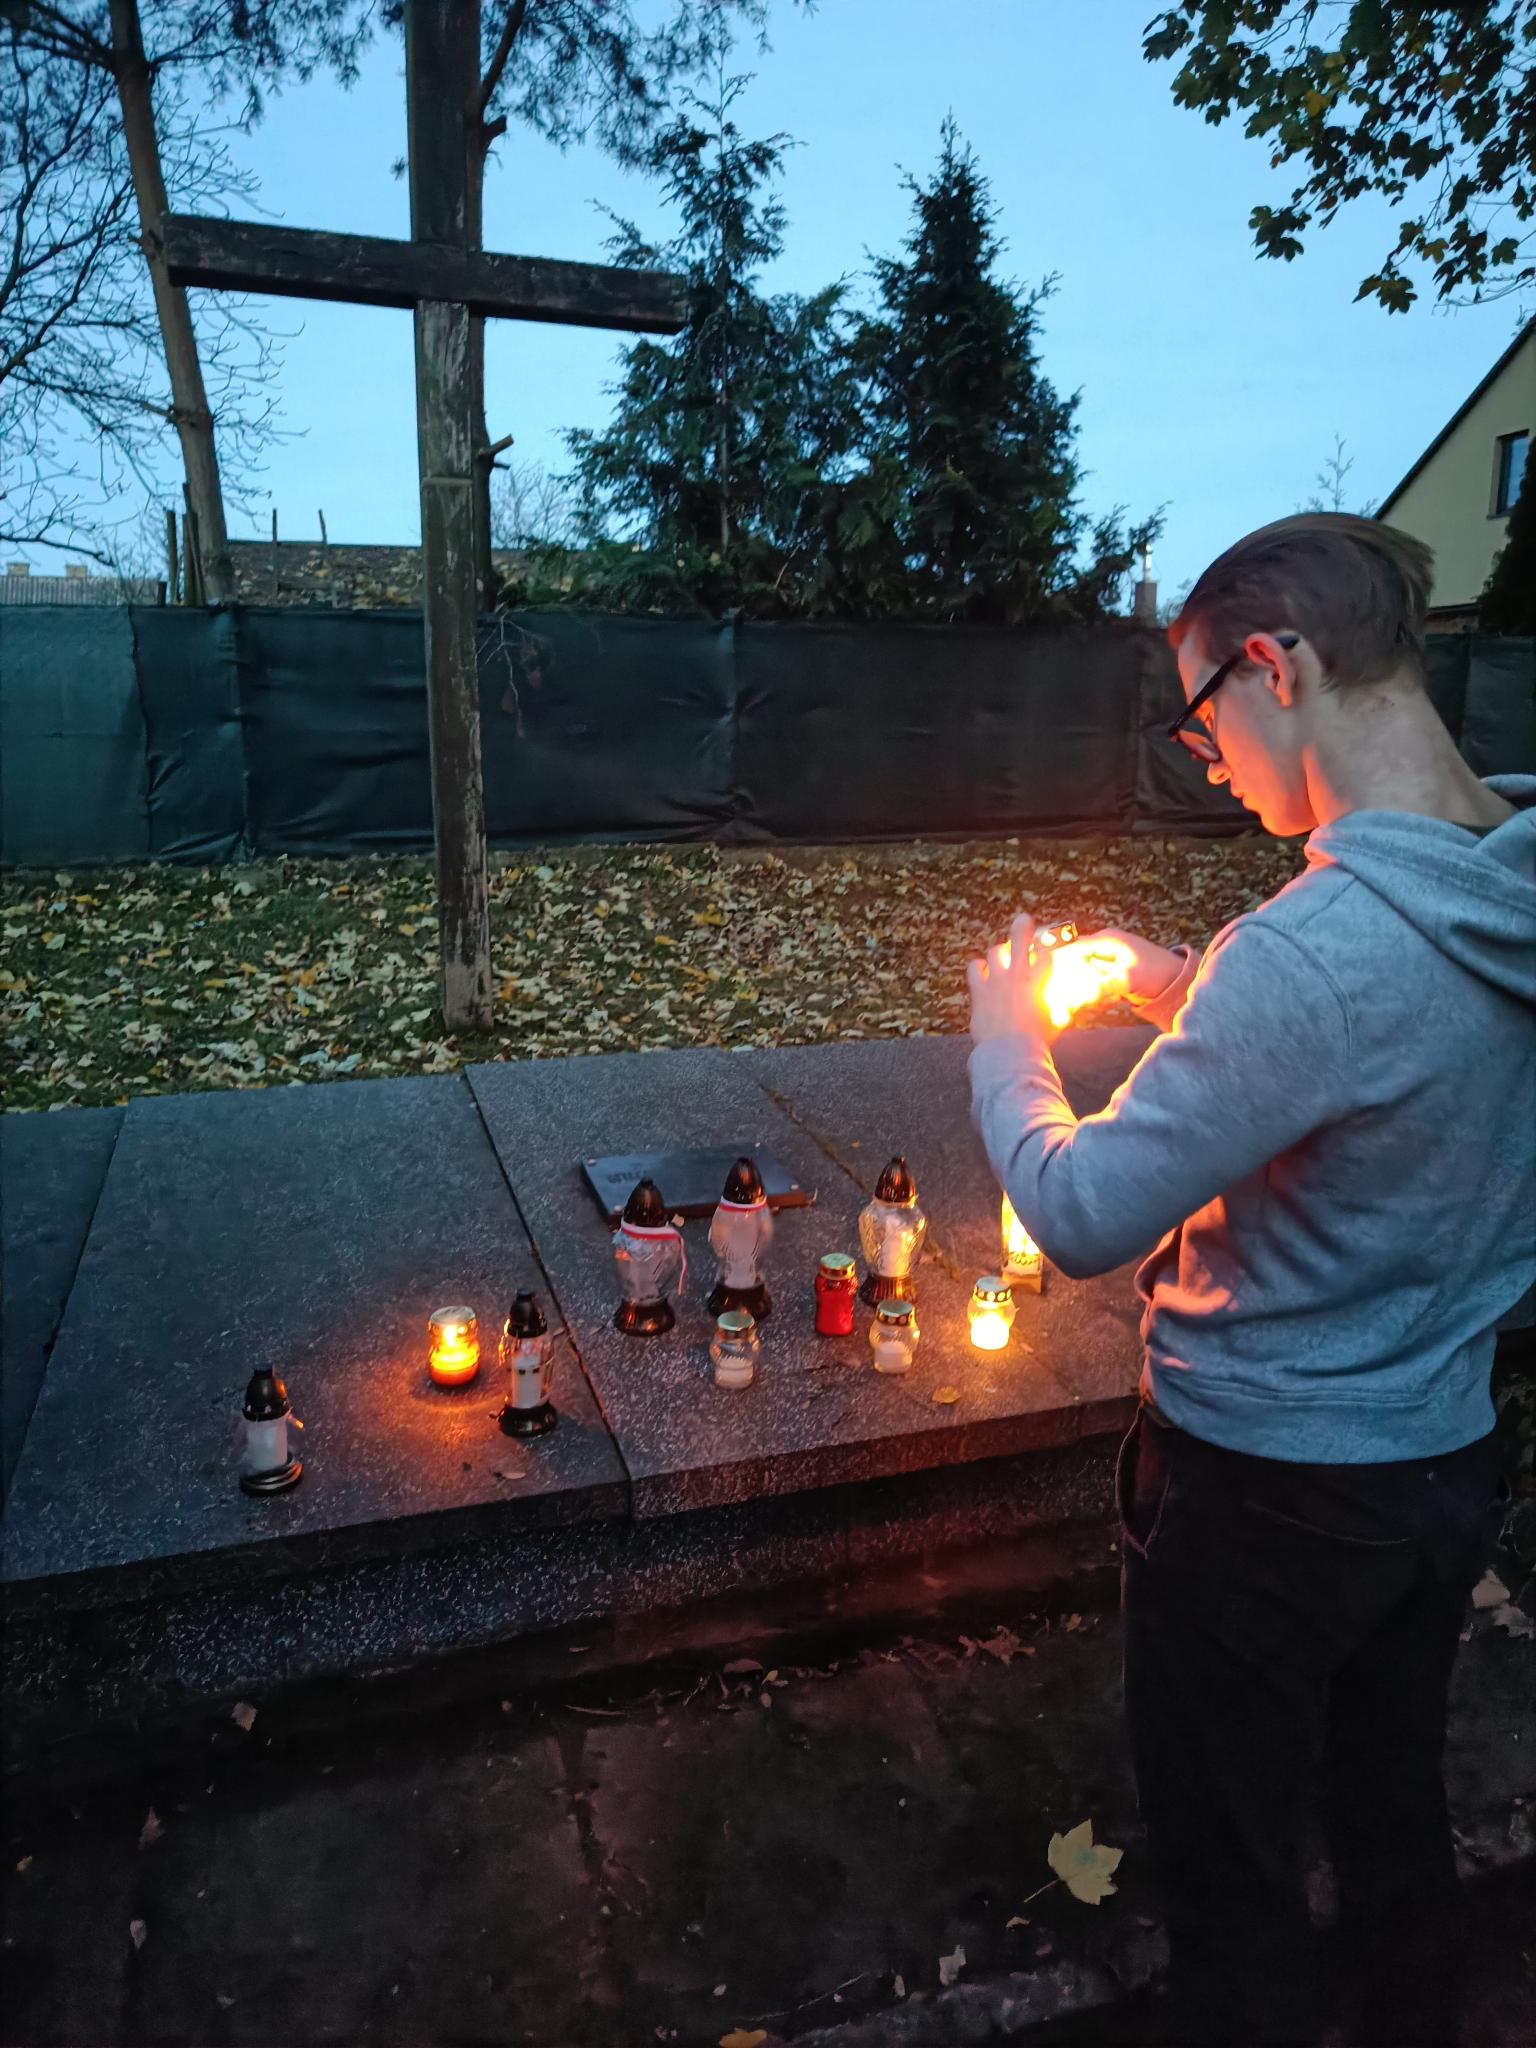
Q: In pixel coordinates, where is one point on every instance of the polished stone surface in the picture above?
(818, 1414)
(313, 1230)
(52, 1166)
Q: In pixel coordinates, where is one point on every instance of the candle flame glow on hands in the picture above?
(1087, 971)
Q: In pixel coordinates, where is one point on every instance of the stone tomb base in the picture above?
(315, 1229)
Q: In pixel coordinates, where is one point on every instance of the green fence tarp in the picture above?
(208, 736)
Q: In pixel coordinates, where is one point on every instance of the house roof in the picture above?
(1458, 416)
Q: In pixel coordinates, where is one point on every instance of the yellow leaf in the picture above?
(946, 1396)
(708, 917)
(744, 2037)
(1083, 1865)
(409, 930)
(663, 940)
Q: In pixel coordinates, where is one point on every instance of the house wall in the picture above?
(1449, 503)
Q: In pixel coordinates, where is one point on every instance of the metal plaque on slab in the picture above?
(691, 1181)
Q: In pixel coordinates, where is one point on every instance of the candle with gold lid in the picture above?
(1023, 1262)
(991, 1312)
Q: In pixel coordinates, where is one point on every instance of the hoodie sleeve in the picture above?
(1258, 1058)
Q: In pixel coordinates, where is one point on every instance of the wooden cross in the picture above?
(445, 283)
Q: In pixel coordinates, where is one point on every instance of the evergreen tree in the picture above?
(705, 489)
(964, 505)
(1508, 603)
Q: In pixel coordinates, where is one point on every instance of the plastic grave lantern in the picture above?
(891, 1232)
(525, 1358)
(649, 1257)
(267, 1465)
(453, 1346)
(1023, 1262)
(739, 1235)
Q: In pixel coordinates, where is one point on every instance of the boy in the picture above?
(1333, 1148)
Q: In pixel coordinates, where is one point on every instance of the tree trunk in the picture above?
(486, 585)
(189, 398)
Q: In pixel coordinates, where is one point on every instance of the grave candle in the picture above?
(991, 1313)
(648, 1254)
(734, 1348)
(837, 1286)
(739, 1234)
(525, 1356)
(267, 1464)
(1023, 1262)
(453, 1356)
(891, 1232)
(893, 1336)
(1083, 972)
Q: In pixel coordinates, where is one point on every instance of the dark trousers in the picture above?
(1289, 1636)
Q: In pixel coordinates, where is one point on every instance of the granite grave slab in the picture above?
(313, 1230)
(1079, 1339)
(52, 1166)
(818, 1415)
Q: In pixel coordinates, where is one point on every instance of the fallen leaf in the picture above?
(740, 1666)
(1018, 1920)
(151, 1831)
(1004, 1646)
(25, 1863)
(721, 1989)
(950, 1967)
(1489, 1592)
(138, 1933)
(1083, 1865)
(1515, 1620)
(242, 1713)
(744, 2037)
(946, 1396)
(899, 1986)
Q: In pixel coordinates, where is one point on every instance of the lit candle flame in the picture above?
(1087, 971)
(989, 1330)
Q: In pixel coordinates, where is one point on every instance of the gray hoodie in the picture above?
(1334, 1149)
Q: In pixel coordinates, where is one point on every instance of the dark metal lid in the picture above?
(744, 1183)
(526, 1318)
(645, 1205)
(991, 1287)
(266, 1398)
(896, 1184)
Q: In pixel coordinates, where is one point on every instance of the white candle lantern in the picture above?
(453, 1346)
(267, 1465)
(991, 1312)
(891, 1233)
(734, 1348)
(525, 1358)
(893, 1336)
(1023, 1261)
(648, 1254)
(739, 1235)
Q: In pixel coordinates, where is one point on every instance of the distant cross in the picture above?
(444, 282)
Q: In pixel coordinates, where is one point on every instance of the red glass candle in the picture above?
(837, 1287)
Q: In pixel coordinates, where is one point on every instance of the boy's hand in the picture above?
(1008, 987)
(1149, 968)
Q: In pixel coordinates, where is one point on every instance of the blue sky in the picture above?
(1212, 382)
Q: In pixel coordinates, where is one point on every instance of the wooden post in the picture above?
(172, 571)
(190, 411)
(442, 74)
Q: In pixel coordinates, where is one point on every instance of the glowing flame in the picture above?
(989, 1329)
(1088, 971)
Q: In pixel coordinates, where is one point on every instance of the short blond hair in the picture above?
(1355, 588)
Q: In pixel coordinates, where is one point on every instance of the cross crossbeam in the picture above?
(371, 270)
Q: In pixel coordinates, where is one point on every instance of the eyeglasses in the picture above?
(1186, 731)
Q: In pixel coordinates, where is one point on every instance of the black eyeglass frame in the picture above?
(1208, 690)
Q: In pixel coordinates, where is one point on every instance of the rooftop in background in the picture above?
(76, 586)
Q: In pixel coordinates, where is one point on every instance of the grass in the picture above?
(124, 982)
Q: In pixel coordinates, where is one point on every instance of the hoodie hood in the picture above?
(1473, 898)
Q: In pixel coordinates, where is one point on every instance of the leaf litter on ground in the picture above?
(117, 982)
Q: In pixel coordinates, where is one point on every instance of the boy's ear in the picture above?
(1282, 658)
